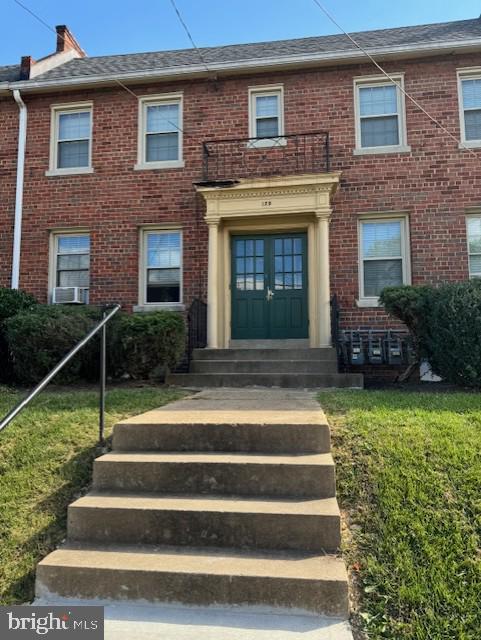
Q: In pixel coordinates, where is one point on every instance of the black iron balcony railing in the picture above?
(229, 160)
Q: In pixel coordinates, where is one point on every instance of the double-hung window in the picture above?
(71, 265)
(384, 256)
(160, 132)
(473, 224)
(470, 107)
(71, 139)
(161, 276)
(380, 115)
(266, 115)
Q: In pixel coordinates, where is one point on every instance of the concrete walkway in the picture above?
(242, 482)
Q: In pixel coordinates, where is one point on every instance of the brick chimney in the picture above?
(66, 41)
(26, 63)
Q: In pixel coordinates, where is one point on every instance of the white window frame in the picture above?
(468, 73)
(53, 255)
(373, 301)
(56, 111)
(260, 91)
(152, 101)
(469, 217)
(152, 306)
(366, 82)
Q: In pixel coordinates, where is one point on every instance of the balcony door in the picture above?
(269, 287)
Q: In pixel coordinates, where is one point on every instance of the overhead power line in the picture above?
(393, 80)
(186, 29)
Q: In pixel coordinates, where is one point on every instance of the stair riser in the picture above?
(286, 381)
(266, 354)
(249, 438)
(262, 366)
(314, 596)
(216, 478)
(205, 528)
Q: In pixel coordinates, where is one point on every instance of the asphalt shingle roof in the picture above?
(163, 61)
(10, 73)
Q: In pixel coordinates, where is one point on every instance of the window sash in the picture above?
(257, 118)
(83, 273)
(172, 127)
(165, 272)
(65, 141)
(395, 257)
(474, 256)
(398, 114)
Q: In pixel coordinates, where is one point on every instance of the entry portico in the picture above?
(287, 209)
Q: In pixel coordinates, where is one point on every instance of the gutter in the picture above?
(331, 57)
(17, 229)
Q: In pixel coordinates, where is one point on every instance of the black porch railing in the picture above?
(197, 327)
(229, 160)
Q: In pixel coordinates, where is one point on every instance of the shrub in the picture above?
(40, 337)
(11, 302)
(146, 345)
(446, 326)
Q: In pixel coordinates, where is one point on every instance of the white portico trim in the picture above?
(294, 203)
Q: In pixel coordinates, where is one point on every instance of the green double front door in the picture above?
(269, 287)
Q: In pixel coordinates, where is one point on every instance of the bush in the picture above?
(146, 345)
(11, 302)
(40, 337)
(446, 326)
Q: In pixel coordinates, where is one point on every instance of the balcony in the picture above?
(226, 161)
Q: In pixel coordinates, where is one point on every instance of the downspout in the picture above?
(17, 229)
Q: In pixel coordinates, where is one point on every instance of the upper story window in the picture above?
(473, 224)
(384, 256)
(161, 265)
(70, 267)
(266, 115)
(470, 106)
(160, 132)
(71, 139)
(380, 116)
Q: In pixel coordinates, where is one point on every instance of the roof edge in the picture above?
(337, 57)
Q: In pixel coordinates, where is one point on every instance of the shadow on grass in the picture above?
(75, 478)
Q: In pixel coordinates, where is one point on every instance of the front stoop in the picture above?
(300, 368)
(226, 498)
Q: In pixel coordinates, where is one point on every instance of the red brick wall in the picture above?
(434, 184)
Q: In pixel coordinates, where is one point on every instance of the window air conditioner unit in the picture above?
(70, 295)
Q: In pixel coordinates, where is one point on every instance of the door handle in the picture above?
(270, 294)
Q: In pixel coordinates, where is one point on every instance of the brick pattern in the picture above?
(434, 185)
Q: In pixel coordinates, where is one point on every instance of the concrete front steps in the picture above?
(226, 498)
(265, 367)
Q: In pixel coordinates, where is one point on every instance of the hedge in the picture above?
(12, 301)
(445, 322)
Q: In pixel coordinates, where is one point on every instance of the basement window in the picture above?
(473, 224)
(161, 277)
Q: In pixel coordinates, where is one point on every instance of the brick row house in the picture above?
(260, 178)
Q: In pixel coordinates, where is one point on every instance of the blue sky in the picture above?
(124, 26)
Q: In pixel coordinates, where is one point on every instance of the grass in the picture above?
(409, 480)
(46, 459)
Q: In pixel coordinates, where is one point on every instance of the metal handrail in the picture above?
(102, 325)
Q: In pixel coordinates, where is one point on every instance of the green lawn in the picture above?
(45, 462)
(409, 479)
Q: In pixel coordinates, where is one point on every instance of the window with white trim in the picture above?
(380, 115)
(71, 261)
(266, 112)
(470, 107)
(162, 266)
(383, 251)
(160, 132)
(72, 138)
(473, 224)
